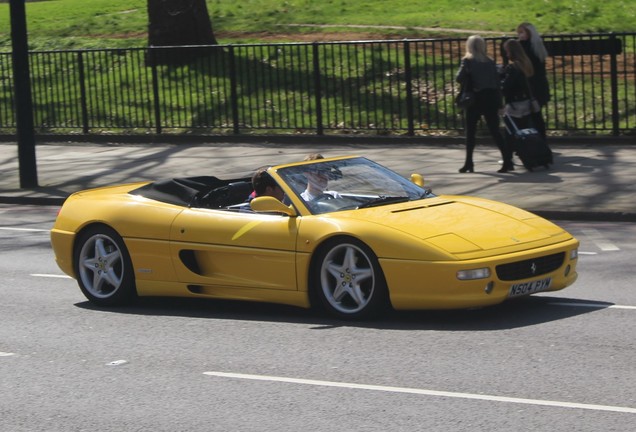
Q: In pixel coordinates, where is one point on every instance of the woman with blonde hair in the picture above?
(478, 73)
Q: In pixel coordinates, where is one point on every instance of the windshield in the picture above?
(348, 184)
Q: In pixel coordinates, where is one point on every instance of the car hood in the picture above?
(466, 226)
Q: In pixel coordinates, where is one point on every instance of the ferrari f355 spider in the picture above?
(351, 237)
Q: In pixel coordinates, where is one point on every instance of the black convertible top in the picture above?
(202, 191)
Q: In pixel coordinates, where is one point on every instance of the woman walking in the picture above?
(516, 86)
(478, 73)
(521, 108)
(534, 48)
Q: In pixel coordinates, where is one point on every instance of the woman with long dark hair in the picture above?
(521, 108)
(516, 86)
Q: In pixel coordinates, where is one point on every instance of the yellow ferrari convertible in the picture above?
(350, 236)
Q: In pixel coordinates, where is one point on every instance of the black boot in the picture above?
(507, 166)
(468, 167)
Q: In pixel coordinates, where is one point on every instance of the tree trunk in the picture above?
(175, 23)
(179, 22)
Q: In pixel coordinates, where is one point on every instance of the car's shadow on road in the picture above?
(521, 312)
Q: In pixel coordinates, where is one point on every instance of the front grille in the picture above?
(530, 268)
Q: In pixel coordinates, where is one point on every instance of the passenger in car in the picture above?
(265, 185)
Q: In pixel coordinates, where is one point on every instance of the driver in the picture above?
(317, 181)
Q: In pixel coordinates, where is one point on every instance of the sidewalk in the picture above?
(588, 181)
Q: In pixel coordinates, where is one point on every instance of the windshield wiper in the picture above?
(428, 193)
(381, 200)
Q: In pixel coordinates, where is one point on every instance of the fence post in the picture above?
(408, 77)
(83, 98)
(234, 92)
(614, 84)
(155, 88)
(317, 89)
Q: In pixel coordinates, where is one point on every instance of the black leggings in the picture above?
(486, 105)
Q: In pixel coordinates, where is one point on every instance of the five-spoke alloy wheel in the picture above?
(348, 281)
(103, 267)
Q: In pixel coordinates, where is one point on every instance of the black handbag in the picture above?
(465, 99)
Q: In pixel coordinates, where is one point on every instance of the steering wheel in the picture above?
(323, 196)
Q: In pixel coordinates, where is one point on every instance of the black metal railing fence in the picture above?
(380, 87)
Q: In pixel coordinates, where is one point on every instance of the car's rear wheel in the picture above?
(347, 280)
(104, 268)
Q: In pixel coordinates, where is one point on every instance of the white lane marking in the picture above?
(117, 363)
(6, 354)
(599, 240)
(593, 305)
(50, 275)
(408, 390)
(24, 229)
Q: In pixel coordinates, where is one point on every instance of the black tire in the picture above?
(347, 281)
(103, 267)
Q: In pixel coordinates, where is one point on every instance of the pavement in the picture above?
(590, 180)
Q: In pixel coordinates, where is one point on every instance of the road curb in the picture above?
(44, 201)
(586, 216)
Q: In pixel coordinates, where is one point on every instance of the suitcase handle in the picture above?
(510, 123)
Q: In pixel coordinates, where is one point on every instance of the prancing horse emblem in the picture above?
(533, 268)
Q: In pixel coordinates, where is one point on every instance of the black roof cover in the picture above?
(180, 191)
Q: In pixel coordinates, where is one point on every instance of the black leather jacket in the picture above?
(514, 84)
(483, 75)
(538, 81)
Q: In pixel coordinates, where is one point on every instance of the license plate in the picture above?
(527, 288)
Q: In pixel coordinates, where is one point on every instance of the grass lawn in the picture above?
(66, 24)
(274, 87)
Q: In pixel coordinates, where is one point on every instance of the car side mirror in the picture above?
(268, 204)
(418, 179)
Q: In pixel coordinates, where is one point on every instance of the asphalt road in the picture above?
(555, 362)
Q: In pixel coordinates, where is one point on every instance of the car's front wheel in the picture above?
(104, 268)
(347, 280)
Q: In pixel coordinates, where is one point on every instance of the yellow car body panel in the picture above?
(245, 250)
(147, 288)
(144, 224)
(421, 232)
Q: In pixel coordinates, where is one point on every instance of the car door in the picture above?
(235, 249)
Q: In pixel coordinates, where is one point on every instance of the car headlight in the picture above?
(574, 254)
(480, 273)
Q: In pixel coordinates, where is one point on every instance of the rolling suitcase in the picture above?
(529, 145)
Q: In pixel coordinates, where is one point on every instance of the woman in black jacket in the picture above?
(534, 48)
(516, 86)
(479, 72)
